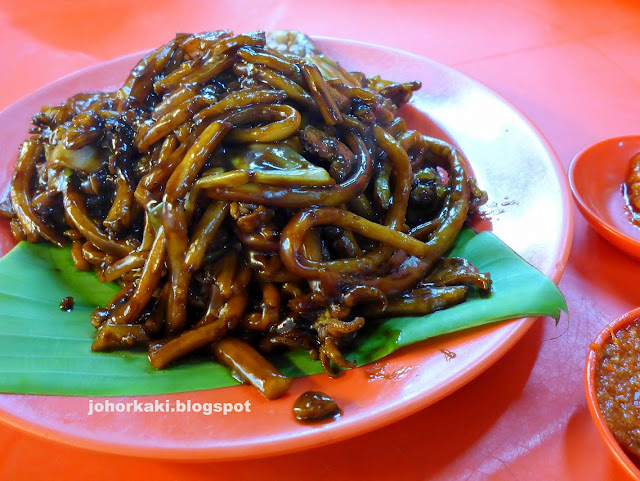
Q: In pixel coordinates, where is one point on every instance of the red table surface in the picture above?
(572, 66)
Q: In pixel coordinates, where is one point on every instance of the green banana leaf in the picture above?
(46, 351)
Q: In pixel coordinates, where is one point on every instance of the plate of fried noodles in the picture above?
(254, 193)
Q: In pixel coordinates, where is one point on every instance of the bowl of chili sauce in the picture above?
(612, 384)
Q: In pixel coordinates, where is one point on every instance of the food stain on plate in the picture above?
(448, 355)
(495, 208)
(384, 371)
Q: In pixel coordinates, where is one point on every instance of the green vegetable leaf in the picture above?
(46, 351)
(519, 290)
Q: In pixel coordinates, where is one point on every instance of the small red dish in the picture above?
(590, 389)
(597, 175)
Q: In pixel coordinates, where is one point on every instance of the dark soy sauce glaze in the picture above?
(315, 406)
